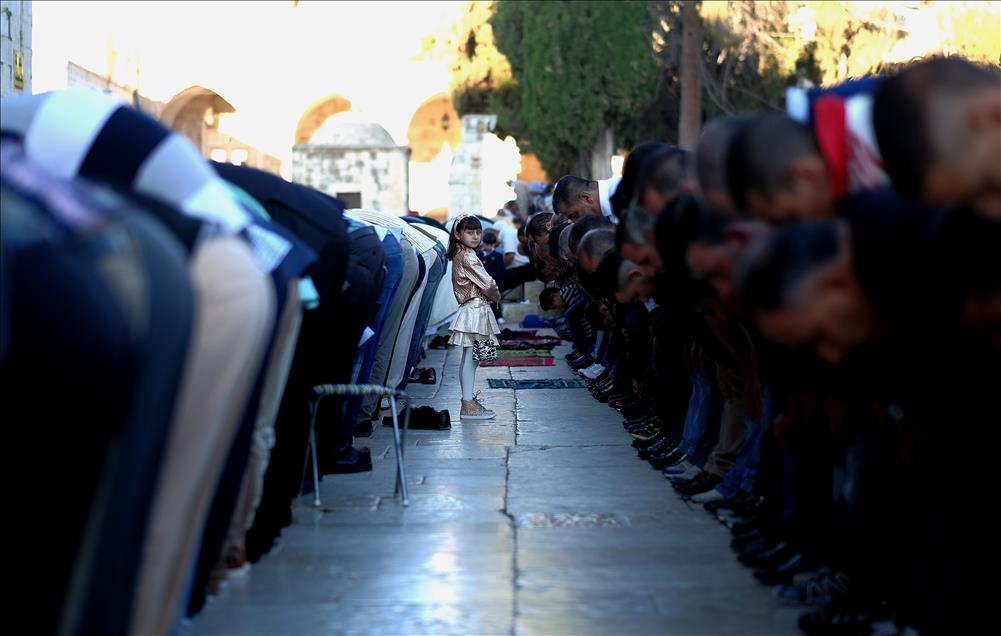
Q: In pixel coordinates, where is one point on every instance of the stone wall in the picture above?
(465, 181)
(378, 173)
(15, 39)
(77, 75)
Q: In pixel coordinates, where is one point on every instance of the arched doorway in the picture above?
(317, 113)
(196, 112)
(434, 132)
(434, 123)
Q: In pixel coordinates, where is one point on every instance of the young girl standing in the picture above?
(474, 328)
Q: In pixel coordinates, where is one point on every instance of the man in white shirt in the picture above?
(517, 267)
(504, 224)
(575, 197)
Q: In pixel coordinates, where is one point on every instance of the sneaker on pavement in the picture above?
(679, 468)
(689, 474)
(708, 497)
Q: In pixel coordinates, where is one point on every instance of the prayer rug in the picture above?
(509, 353)
(535, 342)
(520, 361)
(497, 383)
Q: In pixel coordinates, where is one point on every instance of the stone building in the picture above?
(263, 105)
(465, 181)
(15, 47)
(195, 112)
(355, 160)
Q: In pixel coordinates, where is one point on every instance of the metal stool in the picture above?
(321, 391)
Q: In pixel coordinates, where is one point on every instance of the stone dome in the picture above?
(351, 129)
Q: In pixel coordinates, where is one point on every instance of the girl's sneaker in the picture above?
(471, 410)
(486, 411)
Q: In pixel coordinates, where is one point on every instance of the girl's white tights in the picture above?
(467, 373)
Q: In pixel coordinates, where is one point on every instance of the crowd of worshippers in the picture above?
(800, 321)
(165, 320)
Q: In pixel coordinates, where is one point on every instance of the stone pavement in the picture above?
(539, 522)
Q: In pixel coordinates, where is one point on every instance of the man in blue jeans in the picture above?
(744, 475)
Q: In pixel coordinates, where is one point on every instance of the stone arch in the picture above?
(317, 113)
(196, 113)
(434, 123)
(193, 112)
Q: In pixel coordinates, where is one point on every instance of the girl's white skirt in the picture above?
(474, 321)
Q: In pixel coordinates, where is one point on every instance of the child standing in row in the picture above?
(474, 328)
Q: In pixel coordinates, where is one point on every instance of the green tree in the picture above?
(568, 78)
(580, 72)
(468, 49)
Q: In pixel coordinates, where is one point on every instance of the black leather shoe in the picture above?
(741, 542)
(631, 410)
(603, 383)
(594, 385)
(607, 383)
(641, 429)
(687, 482)
(602, 397)
(626, 406)
(639, 419)
(755, 545)
(771, 557)
(783, 574)
(621, 399)
(652, 423)
(354, 460)
(706, 484)
(605, 394)
(660, 462)
(647, 442)
(756, 522)
(761, 549)
(664, 446)
(424, 418)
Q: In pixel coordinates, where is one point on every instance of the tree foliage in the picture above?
(558, 73)
(578, 69)
(468, 48)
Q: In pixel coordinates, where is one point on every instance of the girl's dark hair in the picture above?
(465, 223)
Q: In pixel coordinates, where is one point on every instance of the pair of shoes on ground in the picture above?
(423, 376)
(422, 418)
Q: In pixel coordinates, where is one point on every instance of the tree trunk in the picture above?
(691, 76)
(601, 155)
(583, 163)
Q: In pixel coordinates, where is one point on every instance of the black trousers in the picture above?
(325, 353)
(516, 276)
